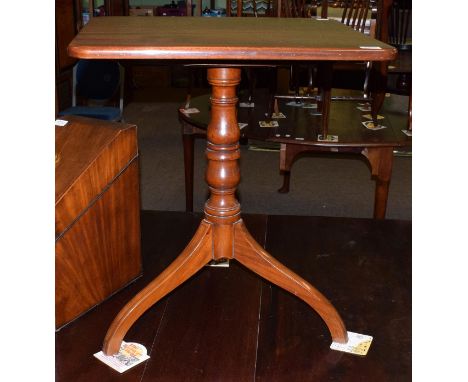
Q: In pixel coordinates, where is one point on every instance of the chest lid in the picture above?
(89, 155)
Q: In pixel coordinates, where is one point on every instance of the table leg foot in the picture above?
(381, 163)
(197, 253)
(284, 189)
(250, 254)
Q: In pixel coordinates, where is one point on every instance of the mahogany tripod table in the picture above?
(225, 44)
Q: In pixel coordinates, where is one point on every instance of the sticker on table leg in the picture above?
(129, 355)
(219, 263)
(358, 344)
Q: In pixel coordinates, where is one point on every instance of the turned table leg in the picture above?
(221, 234)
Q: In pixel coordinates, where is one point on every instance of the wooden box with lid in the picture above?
(97, 213)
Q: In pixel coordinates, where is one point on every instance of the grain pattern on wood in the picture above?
(214, 317)
(96, 213)
(364, 267)
(226, 38)
(100, 253)
(89, 155)
(162, 238)
(196, 254)
(249, 253)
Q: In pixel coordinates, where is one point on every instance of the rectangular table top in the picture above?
(226, 38)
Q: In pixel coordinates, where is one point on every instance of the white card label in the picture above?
(278, 115)
(369, 116)
(190, 110)
(358, 344)
(364, 108)
(372, 126)
(408, 133)
(246, 104)
(328, 138)
(60, 122)
(129, 355)
(295, 104)
(268, 123)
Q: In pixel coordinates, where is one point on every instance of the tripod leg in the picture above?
(197, 253)
(249, 253)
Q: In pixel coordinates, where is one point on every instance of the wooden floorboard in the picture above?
(164, 235)
(364, 268)
(208, 329)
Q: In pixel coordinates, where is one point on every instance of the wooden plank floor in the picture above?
(227, 324)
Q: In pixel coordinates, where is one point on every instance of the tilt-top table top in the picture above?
(227, 38)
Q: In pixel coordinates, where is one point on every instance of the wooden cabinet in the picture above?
(97, 212)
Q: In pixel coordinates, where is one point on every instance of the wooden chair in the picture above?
(399, 35)
(360, 15)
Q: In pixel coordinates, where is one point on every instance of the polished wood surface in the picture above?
(225, 38)
(97, 249)
(298, 135)
(233, 39)
(227, 324)
(221, 234)
(90, 154)
(301, 123)
(66, 29)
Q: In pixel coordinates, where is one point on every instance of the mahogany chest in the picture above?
(97, 213)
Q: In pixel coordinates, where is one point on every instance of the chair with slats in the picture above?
(399, 35)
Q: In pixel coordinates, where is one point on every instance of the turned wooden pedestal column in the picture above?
(222, 234)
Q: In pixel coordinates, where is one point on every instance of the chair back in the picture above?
(98, 80)
(355, 13)
(398, 25)
(249, 8)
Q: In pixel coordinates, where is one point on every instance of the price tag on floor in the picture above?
(129, 355)
(60, 122)
(358, 344)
